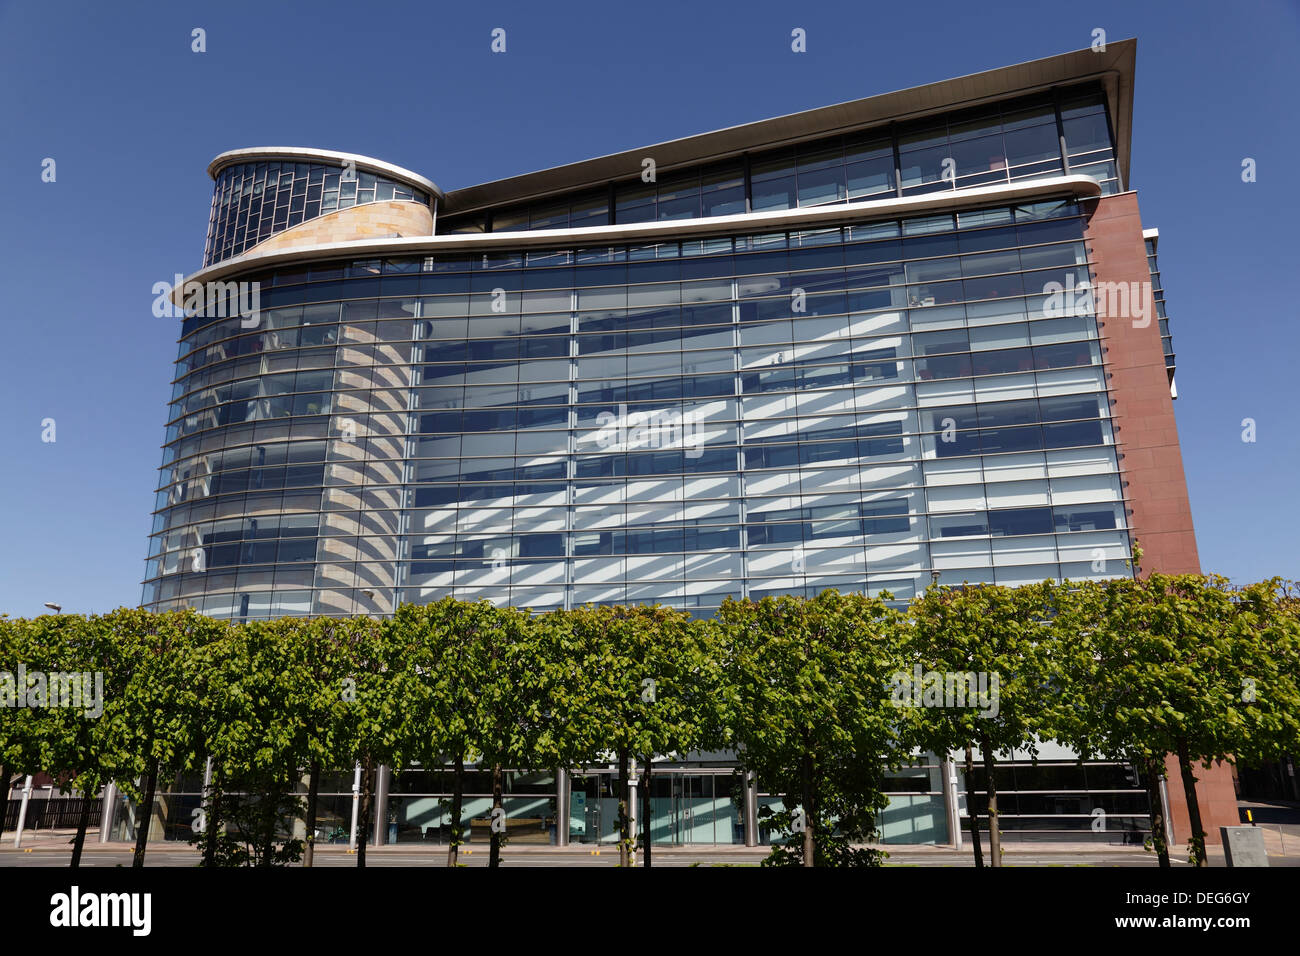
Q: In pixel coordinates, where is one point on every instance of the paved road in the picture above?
(1280, 822)
(1053, 855)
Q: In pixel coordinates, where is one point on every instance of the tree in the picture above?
(977, 668)
(256, 731)
(440, 686)
(21, 729)
(1267, 662)
(519, 717)
(1102, 687)
(644, 693)
(320, 691)
(157, 719)
(806, 682)
(1187, 665)
(77, 654)
(367, 724)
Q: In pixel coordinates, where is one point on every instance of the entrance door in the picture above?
(694, 810)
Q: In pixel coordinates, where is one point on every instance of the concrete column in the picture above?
(382, 779)
(562, 797)
(1167, 817)
(751, 809)
(300, 822)
(22, 812)
(632, 800)
(206, 800)
(951, 809)
(108, 808)
(356, 806)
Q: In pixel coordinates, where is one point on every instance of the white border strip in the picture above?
(1083, 187)
(307, 154)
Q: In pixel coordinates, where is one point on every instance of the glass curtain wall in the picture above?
(673, 423)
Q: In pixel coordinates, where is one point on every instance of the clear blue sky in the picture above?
(113, 93)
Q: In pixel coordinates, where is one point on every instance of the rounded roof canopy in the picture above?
(302, 154)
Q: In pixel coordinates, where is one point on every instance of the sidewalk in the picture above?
(52, 848)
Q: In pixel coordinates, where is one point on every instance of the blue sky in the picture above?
(131, 116)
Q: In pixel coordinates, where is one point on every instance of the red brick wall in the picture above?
(1151, 463)
(1143, 412)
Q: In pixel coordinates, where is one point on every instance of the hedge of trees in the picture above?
(818, 697)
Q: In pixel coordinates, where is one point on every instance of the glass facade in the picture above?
(854, 407)
(1013, 140)
(871, 406)
(254, 201)
(1053, 798)
(1152, 241)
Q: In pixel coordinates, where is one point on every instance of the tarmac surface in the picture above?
(1279, 821)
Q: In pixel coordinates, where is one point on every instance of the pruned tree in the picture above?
(977, 668)
(806, 683)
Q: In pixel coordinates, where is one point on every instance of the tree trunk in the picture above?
(970, 810)
(809, 837)
(267, 820)
(1152, 774)
(313, 792)
(83, 821)
(624, 811)
(457, 798)
(4, 797)
(363, 825)
(995, 830)
(146, 810)
(145, 819)
(212, 822)
(494, 849)
(648, 837)
(1193, 806)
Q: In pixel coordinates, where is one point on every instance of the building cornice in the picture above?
(1077, 186)
(1113, 67)
(303, 154)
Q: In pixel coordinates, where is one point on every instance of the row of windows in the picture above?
(253, 597)
(969, 223)
(1015, 139)
(440, 485)
(638, 407)
(864, 265)
(616, 265)
(504, 338)
(661, 394)
(878, 517)
(267, 398)
(465, 482)
(366, 416)
(485, 367)
(384, 510)
(494, 478)
(1166, 338)
(253, 201)
(514, 552)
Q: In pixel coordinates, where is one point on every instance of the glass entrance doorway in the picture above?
(686, 807)
(694, 808)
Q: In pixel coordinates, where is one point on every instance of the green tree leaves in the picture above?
(818, 697)
(805, 684)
